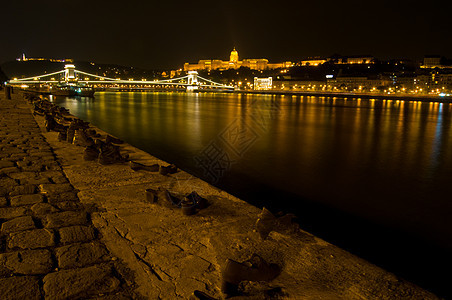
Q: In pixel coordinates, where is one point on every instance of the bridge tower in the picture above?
(69, 73)
(192, 81)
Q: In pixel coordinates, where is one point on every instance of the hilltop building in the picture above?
(24, 58)
(235, 63)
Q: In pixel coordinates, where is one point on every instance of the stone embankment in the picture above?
(49, 246)
(72, 229)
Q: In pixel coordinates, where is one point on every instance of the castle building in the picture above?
(235, 63)
(234, 57)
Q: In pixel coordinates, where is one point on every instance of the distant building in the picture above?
(312, 62)
(24, 58)
(299, 85)
(263, 83)
(359, 82)
(360, 59)
(235, 63)
(357, 59)
(431, 61)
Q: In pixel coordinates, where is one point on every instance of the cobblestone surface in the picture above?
(48, 246)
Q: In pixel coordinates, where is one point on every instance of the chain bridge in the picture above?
(71, 76)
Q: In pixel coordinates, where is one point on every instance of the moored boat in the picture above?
(84, 91)
(72, 90)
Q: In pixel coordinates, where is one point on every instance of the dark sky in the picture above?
(165, 34)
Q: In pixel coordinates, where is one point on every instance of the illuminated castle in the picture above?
(235, 63)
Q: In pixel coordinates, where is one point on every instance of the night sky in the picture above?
(166, 34)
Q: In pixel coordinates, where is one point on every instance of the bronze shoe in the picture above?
(81, 139)
(90, 153)
(137, 167)
(254, 269)
(171, 169)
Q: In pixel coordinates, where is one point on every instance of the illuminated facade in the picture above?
(24, 58)
(235, 63)
(263, 83)
(359, 82)
(312, 62)
(360, 60)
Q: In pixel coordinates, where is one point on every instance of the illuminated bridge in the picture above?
(70, 75)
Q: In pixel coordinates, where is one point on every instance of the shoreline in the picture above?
(99, 184)
(403, 97)
(379, 96)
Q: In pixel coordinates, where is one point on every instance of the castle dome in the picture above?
(234, 56)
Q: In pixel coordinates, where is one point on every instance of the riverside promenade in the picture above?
(75, 229)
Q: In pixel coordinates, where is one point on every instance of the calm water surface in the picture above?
(372, 176)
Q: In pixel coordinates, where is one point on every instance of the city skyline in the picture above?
(163, 35)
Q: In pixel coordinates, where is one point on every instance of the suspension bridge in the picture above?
(71, 76)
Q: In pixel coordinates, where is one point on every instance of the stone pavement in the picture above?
(77, 229)
(49, 248)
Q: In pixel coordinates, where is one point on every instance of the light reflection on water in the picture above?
(383, 162)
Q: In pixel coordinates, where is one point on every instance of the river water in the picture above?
(371, 176)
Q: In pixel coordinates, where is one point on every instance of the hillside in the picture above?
(22, 69)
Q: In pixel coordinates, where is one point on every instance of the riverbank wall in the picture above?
(380, 96)
(406, 97)
(72, 228)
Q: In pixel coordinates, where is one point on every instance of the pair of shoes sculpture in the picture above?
(267, 222)
(105, 153)
(253, 269)
(164, 170)
(189, 204)
(256, 269)
(77, 132)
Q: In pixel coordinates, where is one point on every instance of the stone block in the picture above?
(43, 209)
(67, 196)
(32, 239)
(40, 153)
(69, 205)
(8, 183)
(80, 255)
(22, 164)
(35, 180)
(6, 164)
(26, 189)
(9, 171)
(26, 199)
(53, 165)
(4, 191)
(56, 188)
(18, 224)
(74, 234)
(48, 158)
(23, 175)
(33, 168)
(3, 201)
(13, 212)
(20, 287)
(27, 262)
(66, 218)
(80, 283)
(17, 156)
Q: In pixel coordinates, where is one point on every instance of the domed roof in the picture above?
(234, 56)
